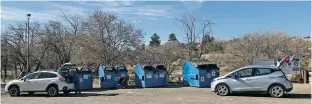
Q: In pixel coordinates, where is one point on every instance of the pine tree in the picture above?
(155, 40)
(172, 37)
(207, 39)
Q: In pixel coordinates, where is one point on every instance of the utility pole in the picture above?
(28, 17)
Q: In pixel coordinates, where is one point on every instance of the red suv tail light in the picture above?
(62, 79)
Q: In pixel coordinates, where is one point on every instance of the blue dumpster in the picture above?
(85, 79)
(108, 77)
(162, 75)
(199, 75)
(122, 73)
(146, 76)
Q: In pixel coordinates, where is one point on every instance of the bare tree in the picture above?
(267, 44)
(112, 36)
(4, 58)
(194, 34)
(59, 40)
(167, 54)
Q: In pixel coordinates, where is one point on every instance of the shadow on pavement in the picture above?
(100, 89)
(69, 95)
(298, 96)
(289, 95)
(167, 86)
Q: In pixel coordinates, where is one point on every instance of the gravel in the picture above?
(172, 95)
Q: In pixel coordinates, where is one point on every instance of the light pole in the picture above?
(28, 17)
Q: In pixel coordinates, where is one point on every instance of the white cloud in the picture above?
(139, 10)
(17, 14)
(107, 3)
(144, 10)
(12, 14)
(69, 9)
(135, 20)
(193, 5)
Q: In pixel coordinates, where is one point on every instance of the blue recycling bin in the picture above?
(162, 75)
(108, 77)
(148, 76)
(122, 73)
(200, 75)
(85, 79)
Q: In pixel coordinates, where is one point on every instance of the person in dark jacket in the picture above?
(75, 80)
(123, 81)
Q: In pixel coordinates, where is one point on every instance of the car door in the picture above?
(261, 80)
(29, 83)
(241, 81)
(44, 79)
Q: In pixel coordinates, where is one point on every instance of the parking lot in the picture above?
(170, 95)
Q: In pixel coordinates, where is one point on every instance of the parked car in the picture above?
(40, 81)
(255, 78)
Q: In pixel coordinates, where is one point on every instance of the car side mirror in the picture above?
(236, 76)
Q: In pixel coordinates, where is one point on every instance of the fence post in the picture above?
(304, 76)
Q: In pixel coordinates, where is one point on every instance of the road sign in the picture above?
(293, 67)
(296, 63)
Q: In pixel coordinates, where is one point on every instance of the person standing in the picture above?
(123, 81)
(76, 81)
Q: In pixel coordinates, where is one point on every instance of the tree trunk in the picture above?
(5, 68)
(21, 67)
(15, 70)
(37, 67)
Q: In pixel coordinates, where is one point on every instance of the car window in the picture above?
(243, 73)
(47, 75)
(263, 71)
(32, 76)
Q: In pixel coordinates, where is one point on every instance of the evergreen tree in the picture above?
(155, 40)
(207, 39)
(172, 37)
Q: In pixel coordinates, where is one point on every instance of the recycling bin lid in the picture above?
(207, 66)
(121, 68)
(85, 70)
(160, 67)
(109, 68)
(148, 67)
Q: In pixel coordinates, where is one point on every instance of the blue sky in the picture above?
(232, 19)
